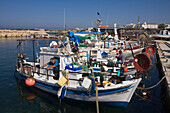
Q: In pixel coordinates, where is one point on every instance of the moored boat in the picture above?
(75, 83)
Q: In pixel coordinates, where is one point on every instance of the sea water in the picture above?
(16, 97)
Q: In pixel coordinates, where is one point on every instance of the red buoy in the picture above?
(125, 69)
(142, 62)
(30, 81)
(150, 50)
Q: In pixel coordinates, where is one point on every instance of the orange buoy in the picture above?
(30, 81)
(142, 62)
(150, 50)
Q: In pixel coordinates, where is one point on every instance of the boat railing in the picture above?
(31, 71)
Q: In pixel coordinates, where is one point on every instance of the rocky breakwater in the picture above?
(21, 33)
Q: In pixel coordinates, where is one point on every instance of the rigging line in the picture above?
(107, 19)
(153, 85)
(38, 44)
(22, 46)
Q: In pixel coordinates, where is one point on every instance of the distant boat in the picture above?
(162, 34)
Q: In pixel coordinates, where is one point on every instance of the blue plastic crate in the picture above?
(71, 67)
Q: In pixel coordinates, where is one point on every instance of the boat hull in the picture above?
(119, 97)
(115, 97)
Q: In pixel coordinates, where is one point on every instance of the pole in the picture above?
(33, 57)
(17, 53)
(64, 20)
(19, 43)
(63, 46)
(131, 50)
(47, 42)
(97, 103)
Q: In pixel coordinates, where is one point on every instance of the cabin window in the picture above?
(166, 32)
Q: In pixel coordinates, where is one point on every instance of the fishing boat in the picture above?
(165, 34)
(104, 50)
(76, 82)
(109, 46)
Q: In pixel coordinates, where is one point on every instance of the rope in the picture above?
(140, 96)
(153, 85)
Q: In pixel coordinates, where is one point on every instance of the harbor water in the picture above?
(16, 97)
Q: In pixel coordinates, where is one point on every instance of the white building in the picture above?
(168, 26)
(149, 25)
(131, 25)
(145, 26)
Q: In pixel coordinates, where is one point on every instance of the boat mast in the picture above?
(97, 102)
(64, 20)
(19, 43)
(33, 56)
(98, 22)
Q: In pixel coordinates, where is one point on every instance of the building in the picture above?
(150, 26)
(130, 26)
(144, 26)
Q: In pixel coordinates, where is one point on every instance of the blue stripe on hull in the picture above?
(70, 91)
(115, 103)
(39, 83)
(115, 91)
(100, 92)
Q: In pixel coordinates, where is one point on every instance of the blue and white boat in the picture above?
(75, 83)
(165, 34)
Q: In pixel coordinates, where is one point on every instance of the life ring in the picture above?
(150, 50)
(142, 62)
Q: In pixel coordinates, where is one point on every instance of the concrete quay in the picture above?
(163, 57)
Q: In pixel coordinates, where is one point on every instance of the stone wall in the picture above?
(20, 33)
(24, 33)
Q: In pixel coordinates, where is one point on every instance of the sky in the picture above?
(49, 14)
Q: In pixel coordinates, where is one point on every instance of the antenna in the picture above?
(92, 23)
(107, 19)
(64, 20)
(98, 20)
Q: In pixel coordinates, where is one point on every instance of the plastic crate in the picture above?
(73, 68)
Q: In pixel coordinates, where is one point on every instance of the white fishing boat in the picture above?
(75, 83)
(165, 34)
